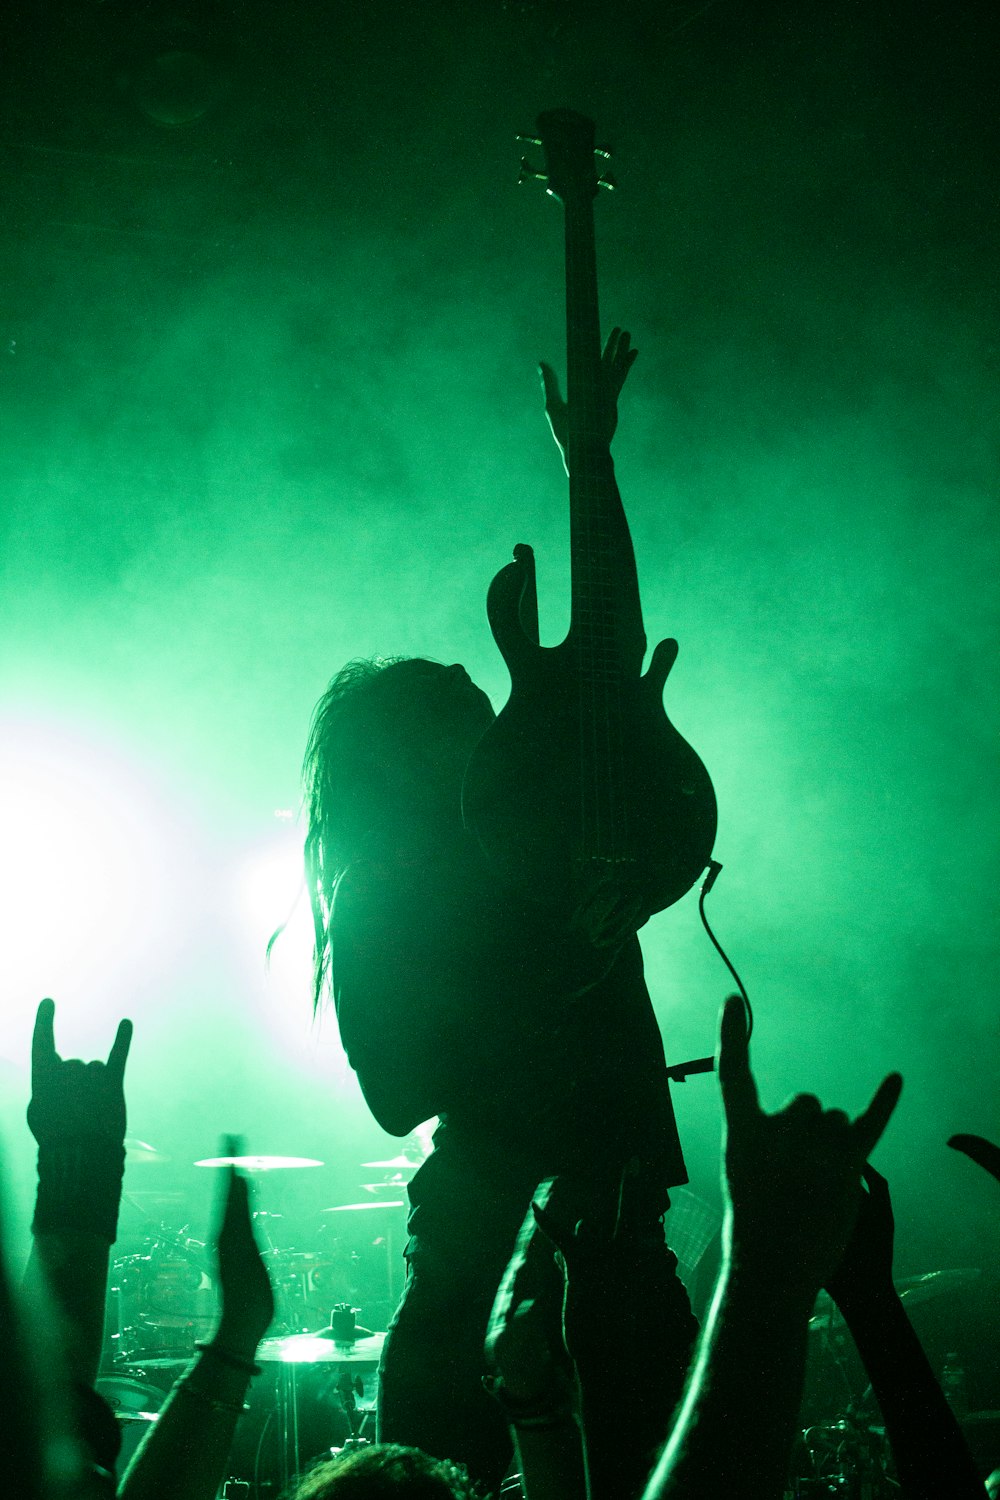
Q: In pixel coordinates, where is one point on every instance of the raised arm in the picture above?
(77, 1116)
(622, 1291)
(931, 1455)
(792, 1185)
(532, 1377)
(184, 1456)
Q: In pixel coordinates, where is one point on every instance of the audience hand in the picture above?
(609, 1251)
(979, 1150)
(244, 1285)
(70, 1098)
(523, 1342)
(616, 361)
(793, 1177)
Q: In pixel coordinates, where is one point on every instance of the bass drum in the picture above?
(135, 1404)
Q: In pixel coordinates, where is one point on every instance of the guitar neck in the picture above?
(604, 595)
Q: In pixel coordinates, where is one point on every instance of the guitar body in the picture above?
(582, 778)
(527, 781)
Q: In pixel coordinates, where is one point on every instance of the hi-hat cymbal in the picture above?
(347, 1208)
(136, 1150)
(314, 1349)
(397, 1163)
(259, 1163)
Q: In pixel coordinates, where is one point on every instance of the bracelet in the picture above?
(546, 1410)
(542, 1421)
(234, 1408)
(234, 1361)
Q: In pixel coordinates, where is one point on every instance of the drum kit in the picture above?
(844, 1450)
(316, 1393)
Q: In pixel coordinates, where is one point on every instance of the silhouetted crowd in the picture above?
(804, 1211)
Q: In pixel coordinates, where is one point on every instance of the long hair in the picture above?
(350, 798)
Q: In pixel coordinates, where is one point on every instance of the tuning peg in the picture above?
(528, 173)
(603, 151)
(608, 183)
(528, 140)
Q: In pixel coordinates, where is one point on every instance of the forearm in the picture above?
(931, 1455)
(550, 1460)
(185, 1455)
(734, 1427)
(71, 1268)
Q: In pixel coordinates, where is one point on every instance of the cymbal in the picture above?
(136, 1150)
(313, 1349)
(913, 1290)
(260, 1163)
(398, 1163)
(346, 1208)
(916, 1289)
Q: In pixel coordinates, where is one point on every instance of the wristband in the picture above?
(549, 1409)
(79, 1186)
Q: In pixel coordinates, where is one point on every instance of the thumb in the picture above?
(550, 385)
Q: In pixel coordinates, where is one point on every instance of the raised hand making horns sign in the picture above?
(793, 1178)
(70, 1098)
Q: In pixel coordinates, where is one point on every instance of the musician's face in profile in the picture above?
(440, 718)
(454, 719)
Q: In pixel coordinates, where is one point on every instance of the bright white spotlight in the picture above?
(86, 871)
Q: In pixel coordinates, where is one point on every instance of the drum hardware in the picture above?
(399, 1163)
(848, 1456)
(309, 1370)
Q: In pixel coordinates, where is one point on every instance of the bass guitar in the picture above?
(582, 779)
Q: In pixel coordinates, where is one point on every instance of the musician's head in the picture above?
(388, 747)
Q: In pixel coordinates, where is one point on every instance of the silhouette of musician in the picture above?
(534, 1042)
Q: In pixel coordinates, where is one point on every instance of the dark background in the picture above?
(271, 307)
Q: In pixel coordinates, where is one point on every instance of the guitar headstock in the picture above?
(567, 140)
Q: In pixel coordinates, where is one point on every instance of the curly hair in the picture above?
(385, 1471)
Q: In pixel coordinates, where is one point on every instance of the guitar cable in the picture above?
(714, 870)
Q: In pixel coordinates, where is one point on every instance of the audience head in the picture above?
(384, 1471)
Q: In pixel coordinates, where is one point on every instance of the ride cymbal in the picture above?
(260, 1163)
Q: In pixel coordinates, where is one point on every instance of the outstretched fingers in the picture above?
(739, 1091)
(870, 1124)
(618, 357)
(118, 1056)
(978, 1149)
(43, 1040)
